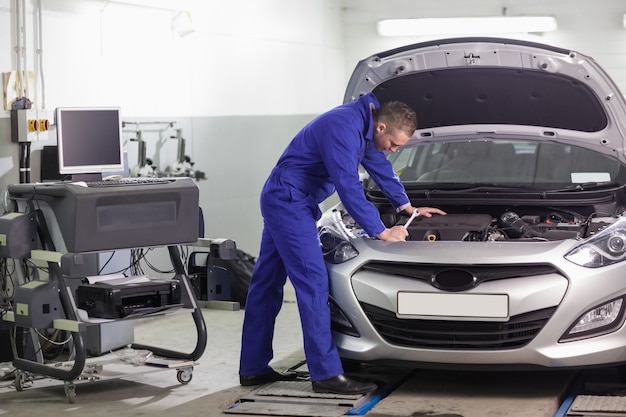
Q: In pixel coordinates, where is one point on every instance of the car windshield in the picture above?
(507, 163)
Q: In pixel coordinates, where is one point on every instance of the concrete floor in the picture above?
(215, 384)
(142, 390)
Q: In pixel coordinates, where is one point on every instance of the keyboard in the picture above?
(128, 181)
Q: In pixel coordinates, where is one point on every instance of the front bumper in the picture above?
(541, 307)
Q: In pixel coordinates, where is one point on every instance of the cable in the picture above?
(155, 269)
(106, 263)
(7, 284)
(339, 226)
(52, 341)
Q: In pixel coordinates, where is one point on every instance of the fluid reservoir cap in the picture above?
(431, 235)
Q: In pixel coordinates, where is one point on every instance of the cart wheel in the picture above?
(70, 392)
(184, 375)
(20, 378)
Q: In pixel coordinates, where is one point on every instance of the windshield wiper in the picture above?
(496, 187)
(585, 186)
(469, 188)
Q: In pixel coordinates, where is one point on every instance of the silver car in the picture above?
(522, 144)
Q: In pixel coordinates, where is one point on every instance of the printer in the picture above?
(110, 301)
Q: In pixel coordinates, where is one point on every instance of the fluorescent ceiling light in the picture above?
(172, 5)
(466, 25)
(624, 20)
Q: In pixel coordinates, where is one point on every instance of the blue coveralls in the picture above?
(323, 156)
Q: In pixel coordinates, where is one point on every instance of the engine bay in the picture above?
(481, 227)
(509, 225)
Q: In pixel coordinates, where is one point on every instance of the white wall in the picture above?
(245, 57)
(591, 27)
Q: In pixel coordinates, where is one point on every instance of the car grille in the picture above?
(482, 273)
(466, 335)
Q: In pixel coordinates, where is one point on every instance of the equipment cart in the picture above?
(107, 367)
(65, 226)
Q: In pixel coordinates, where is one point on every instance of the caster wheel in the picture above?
(20, 378)
(184, 375)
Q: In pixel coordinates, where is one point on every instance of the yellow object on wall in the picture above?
(13, 87)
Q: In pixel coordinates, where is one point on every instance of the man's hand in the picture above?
(399, 233)
(425, 211)
(395, 234)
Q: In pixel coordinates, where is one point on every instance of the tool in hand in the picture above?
(414, 215)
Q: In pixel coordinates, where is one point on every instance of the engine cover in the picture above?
(448, 227)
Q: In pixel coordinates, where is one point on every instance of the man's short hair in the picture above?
(396, 115)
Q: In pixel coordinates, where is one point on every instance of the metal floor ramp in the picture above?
(295, 398)
(597, 406)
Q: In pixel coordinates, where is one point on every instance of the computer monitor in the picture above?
(89, 141)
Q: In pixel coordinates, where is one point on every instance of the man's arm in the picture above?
(380, 170)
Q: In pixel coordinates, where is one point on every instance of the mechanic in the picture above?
(323, 156)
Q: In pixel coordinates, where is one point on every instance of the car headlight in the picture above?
(599, 320)
(336, 250)
(604, 248)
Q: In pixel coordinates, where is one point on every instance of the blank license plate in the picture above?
(453, 305)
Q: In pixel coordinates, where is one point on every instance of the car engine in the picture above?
(509, 225)
(477, 227)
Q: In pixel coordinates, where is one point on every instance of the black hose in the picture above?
(24, 162)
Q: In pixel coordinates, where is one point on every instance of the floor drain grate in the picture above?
(605, 404)
(295, 398)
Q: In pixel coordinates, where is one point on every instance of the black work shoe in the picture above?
(341, 384)
(272, 376)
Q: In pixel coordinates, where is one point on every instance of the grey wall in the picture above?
(237, 153)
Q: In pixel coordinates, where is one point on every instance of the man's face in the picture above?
(386, 139)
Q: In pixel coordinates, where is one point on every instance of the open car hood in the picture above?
(477, 87)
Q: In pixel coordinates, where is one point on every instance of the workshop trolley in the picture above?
(64, 225)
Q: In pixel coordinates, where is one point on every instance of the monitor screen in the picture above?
(89, 141)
